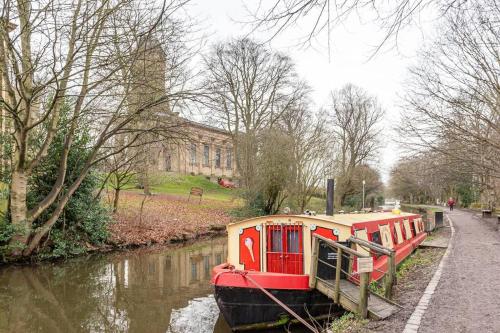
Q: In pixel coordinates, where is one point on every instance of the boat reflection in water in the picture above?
(165, 290)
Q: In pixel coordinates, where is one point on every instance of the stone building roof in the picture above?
(207, 127)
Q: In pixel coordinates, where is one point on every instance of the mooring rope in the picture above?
(272, 297)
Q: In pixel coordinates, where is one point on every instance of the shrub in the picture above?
(83, 223)
(349, 322)
(6, 232)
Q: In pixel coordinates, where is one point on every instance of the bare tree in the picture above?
(432, 177)
(80, 53)
(317, 16)
(248, 88)
(274, 169)
(121, 170)
(311, 148)
(454, 95)
(355, 119)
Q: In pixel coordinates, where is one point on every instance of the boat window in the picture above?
(406, 224)
(292, 241)
(276, 241)
(376, 237)
(398, 233)
(361, 234)
(385, 233)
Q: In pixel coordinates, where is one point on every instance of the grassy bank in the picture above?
(348, 323)
(180, 185)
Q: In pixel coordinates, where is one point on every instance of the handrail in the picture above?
(364, 278)
(340, 246)
(371, 245)
(390, 275)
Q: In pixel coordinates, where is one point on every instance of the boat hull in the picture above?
(249, 308)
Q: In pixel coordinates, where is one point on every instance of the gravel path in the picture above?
(467, 298)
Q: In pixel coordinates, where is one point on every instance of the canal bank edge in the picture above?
(413, 324)
(214, 231)
(185, 238)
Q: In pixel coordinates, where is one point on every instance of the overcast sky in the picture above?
(351, 46)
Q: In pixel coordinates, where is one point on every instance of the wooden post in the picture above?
(338, 269)
(314, 263)
(363, 294)
(390, 276)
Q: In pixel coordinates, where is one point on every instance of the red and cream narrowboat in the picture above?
(275, 252)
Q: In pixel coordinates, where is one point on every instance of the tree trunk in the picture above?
(115, 201)
(43, 230)
(18, 209)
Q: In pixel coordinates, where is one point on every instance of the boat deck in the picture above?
(378, 307)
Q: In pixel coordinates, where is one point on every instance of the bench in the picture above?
(486, 213)
(196, 191)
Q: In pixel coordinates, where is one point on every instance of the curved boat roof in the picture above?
(344, 219)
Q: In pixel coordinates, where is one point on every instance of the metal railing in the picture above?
(340, 250)
(390, 273)
(350, 254)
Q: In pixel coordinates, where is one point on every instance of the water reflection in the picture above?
(139, 291)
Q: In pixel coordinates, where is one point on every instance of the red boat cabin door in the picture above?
(285, 248)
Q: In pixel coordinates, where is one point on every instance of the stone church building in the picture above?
(207, 151)
(200, 149)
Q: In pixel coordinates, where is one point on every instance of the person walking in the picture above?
(451, 203)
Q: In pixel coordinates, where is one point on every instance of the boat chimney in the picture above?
(329, 196)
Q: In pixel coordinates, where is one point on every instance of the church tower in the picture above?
(147, 84)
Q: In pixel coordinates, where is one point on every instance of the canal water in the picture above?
(165, 290)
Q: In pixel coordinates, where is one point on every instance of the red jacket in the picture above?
(451, 202)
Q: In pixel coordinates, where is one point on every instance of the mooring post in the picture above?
(363, 294)
(314, 263)
(337, 276)
(390, 276)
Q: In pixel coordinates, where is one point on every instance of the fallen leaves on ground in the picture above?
(165, 217)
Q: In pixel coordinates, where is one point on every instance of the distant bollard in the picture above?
(429, 224)
(498, 222)
(438, 218)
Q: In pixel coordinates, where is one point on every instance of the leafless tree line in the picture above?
(282, 148)
(453, 98)
(254, 92)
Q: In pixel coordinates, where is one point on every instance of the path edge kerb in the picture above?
(413, 324)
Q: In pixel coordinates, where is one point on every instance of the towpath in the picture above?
(467, 298)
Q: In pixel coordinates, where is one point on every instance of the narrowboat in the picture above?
(274, 253)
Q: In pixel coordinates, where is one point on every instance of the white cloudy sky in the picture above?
(352, 44)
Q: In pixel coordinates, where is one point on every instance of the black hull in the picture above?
(250, 308)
